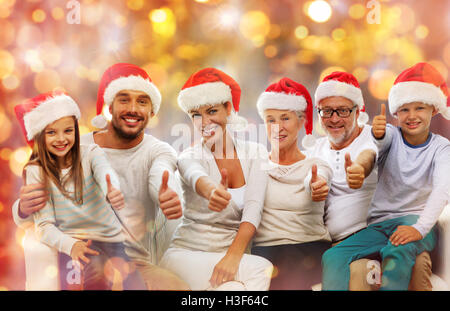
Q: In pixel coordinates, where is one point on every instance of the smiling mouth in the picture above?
(412, 124)
(131, 120)
(209, 131)
(280, 137)
(335, 126)
(60, 147)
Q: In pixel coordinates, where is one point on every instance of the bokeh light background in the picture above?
(256, 42)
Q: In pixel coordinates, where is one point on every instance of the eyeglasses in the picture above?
(341, 112)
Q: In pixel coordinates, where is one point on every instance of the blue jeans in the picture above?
(397, 261)
(93, 276)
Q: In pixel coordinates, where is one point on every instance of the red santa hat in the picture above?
(210, 86)
(120, 77)
(287, 94)
(420, 83)
(36, 113)
(343, 84)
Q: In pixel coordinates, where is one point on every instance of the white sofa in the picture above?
(441, 255)
(41, 261)
(42, 273)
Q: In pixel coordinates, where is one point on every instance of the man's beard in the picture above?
(124, 135)
(343, 137)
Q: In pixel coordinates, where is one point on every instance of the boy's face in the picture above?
(415, 118)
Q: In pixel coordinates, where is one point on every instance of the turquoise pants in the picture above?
(397, 261)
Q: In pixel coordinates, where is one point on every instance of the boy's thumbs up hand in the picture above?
(379, 123)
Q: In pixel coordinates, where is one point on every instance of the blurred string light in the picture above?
(228, 17)
(18, 159)
(5, 130)
(357, 11)
(163, 22)
(301, 32)
(319, 11)
(135, 5)
(380, 83)
(58, 13)
(421, 32)
(255, 26)
(38, 16)
(7, 63)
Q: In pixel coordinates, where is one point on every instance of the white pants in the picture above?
(196, 268)
(41, 264)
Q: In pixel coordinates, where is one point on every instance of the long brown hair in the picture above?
(51, 170)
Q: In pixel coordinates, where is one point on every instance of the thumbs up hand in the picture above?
(318, 185)
(379, 123)
(220, 197)
(114, 196)
(169, 202)
(355, 173)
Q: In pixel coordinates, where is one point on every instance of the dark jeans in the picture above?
(296, 266)
(111, 266)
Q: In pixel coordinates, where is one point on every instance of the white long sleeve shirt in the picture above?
(290, 216)
(61, 223)
(206, 230)
(140, 170)
(346, 209)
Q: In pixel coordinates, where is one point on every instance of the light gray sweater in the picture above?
(413, 180)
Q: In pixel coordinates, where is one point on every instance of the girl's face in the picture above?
(282, 127)
(211, 120)
(60, 137)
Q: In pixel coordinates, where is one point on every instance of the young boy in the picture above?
(413, 184)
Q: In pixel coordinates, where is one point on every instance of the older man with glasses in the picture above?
(352, 155)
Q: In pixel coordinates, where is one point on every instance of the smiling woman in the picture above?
(224, 185)
(292, 234)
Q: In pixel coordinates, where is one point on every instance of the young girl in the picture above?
(77, 219)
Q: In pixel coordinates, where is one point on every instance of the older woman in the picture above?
(292, 233)
(224, 186)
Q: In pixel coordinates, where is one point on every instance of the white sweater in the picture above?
(61, 223)
(346, 209)
(140, 172)
(206, 230)
(290, 216)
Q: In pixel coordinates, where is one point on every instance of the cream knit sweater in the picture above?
(289, 215)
